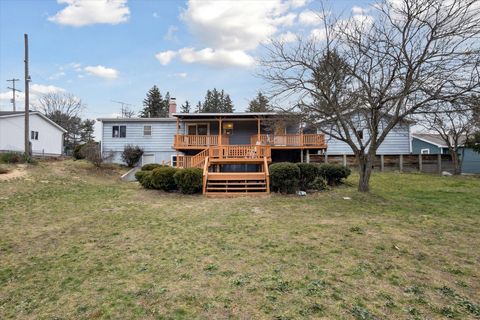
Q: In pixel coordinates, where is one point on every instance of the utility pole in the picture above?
(13, 91)
(27, 100)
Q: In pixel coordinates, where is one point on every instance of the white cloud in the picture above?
(57, 75)
(102, 72)
(79, 13)
(309, 17)
(236, 25)
(216, 57)
(36, 91)
(287, 37)
(170, 35)
(319, 34)
(359, 10)
(39, 89)
(165, 57)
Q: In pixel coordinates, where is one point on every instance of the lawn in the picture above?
(76, 243)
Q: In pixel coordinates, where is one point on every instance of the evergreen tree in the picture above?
(87, 130)
(217, 101)
(199, 107)
(154, 104)
(185, 107)
(259, 104)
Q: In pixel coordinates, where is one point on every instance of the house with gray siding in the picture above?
(154, 135)
(397, 141)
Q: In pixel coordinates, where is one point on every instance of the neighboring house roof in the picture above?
(11, 114)
(137, 119)
(435, 139)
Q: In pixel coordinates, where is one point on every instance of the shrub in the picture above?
(11, 157)
(131, 155)
(334, 173)
(145, 179)
(91, 151)
(151, 166)
(318, 184)
(189, 180)
(308, 173)
(162, 178)
(77, 152)
(284, 177)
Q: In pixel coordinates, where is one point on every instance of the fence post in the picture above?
(344, 160)
(382, 163)
(401, 163)
(439, 163)
(420, 164)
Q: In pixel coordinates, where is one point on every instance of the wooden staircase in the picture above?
(236, 183)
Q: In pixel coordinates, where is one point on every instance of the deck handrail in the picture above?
(191, 140)
(292, 140)
(239, 151)
(205, 175)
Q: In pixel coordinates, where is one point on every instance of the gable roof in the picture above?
(435, 139)
(11, 114)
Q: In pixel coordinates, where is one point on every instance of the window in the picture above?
(147, 130)
(360, 134)
(425, 151)
(119, 131)
(174, 161)
(33, 135)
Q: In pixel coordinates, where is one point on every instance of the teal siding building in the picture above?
(433, 144)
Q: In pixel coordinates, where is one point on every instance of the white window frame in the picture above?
(147, 135)
(171, 160)
(119, 131)
(425, 151)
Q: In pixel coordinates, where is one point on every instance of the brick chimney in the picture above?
(172, 106)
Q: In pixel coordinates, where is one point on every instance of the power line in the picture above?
(13, 91)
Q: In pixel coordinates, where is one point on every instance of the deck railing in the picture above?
(187, 140)
(289, 140)
(239, 152)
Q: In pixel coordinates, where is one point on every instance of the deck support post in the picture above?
(420, 164)
(326, 157)
(344, 160)
(258, 130)
(308, 156)
(401, 163)
(382, 163)
(301, 155)
(219, 131)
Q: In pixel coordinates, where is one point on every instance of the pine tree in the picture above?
(259, 104)
(154, 104)
(199, 107)
(87, 130)
(217, 101)
(185, 107)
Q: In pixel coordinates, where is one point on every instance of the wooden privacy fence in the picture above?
(430, 163)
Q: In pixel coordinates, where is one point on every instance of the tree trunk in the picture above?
(457, 166)
(365, 162)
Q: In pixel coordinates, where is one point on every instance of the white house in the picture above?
(46, 136)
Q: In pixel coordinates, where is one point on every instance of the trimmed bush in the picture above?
(151, 166)
(308, 173)
(318, 184)
(189, 180)
(131, 155)
(162, 178)
(334, 173)
(77, 152)
(284, 177)
(11, 157)
(145, 179)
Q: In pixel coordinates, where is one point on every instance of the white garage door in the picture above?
(148, 158)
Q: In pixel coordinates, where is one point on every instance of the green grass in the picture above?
(75, 243)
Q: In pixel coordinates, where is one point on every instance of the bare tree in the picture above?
(454, 124)
(65, 110)
(361, 77)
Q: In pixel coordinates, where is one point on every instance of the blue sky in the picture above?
(103, 50)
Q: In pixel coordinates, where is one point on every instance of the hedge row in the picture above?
(286, 177)
(156, 176)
